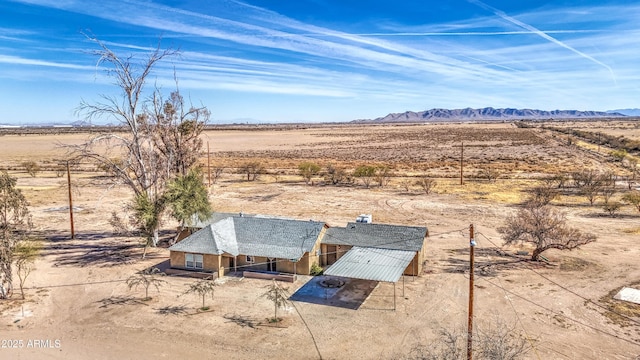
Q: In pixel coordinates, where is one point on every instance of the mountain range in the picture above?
(489, 113)
(628, 112)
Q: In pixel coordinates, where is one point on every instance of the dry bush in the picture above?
(612, 207)
(426, 184)
(31, 167)
(216, 173)
(252, 169)
(495, 341)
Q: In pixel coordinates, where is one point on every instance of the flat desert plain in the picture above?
(78, 305)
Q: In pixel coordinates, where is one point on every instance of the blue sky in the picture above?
(326, 60)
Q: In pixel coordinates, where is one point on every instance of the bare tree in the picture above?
(612, 207)
(543, 194)
(633, 166)
(216, 173)
(406, 184)
(146, 278)
(607, 192)
(543, 227)
(426, 184)
(31, 167)
(558, 180)
(279, 295)
(335, 175)
(161, 138)
(252, 169)
(202, 288)
(382, 175)
(489, 173)
(495, 341)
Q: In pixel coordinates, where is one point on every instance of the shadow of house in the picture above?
(240, 242)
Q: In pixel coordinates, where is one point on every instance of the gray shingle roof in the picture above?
(214, 218)
(200, 242)
(382, 236)
(268, 237)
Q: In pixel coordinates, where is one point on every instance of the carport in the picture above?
(376, 264)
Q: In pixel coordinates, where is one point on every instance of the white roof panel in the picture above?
(372, 264)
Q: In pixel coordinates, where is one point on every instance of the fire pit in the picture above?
(331, 283)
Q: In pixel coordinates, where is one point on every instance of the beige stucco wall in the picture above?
(221, 263)
(209, 262)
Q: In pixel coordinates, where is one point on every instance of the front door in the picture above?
(332, 255)
(271, 264)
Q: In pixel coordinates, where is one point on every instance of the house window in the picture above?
(250, 259)
(193, 261)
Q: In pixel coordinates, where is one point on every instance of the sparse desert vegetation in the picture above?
(78, 290)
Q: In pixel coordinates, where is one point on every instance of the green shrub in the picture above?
(316, 270)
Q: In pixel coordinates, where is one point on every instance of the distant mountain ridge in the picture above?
(628, 112)
(488, 113)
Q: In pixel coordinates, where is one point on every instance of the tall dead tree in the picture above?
(161, 139)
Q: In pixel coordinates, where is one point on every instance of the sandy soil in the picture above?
(77, 298)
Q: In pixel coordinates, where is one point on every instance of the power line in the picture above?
(560, 314)
(571, 291)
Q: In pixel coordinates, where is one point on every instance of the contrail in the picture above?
(541, 34)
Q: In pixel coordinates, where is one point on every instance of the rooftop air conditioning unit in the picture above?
(364, 218)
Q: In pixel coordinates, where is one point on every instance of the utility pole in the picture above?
(209, 163)
(472, 244)
(461, 162)
(73, 235)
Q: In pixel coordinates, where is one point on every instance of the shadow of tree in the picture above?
(120, 300)
(92, 248)
(487, 261)
(172, 310)
(243, 321)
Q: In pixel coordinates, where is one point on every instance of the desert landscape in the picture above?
(78, 304)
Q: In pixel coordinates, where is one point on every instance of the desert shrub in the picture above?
(406, 184)
(216, 173)
(252, 169)
(491, 174)
(619, 155)
(308, 170)
(382, 175)
(543, 194)
(633, 198)
(426, 184)
(336, 175)
(365, 173)
(316, 269)
(612, 207)
(31, 167)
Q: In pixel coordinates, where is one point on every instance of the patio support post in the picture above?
(402, 285)
(394, 296)
(415, 271)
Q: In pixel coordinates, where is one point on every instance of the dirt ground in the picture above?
(78, 305)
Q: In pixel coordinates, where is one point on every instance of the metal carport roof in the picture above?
(372, 264)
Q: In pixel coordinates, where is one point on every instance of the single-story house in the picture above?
(256, 243)
(197, 224)
(374, 248)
